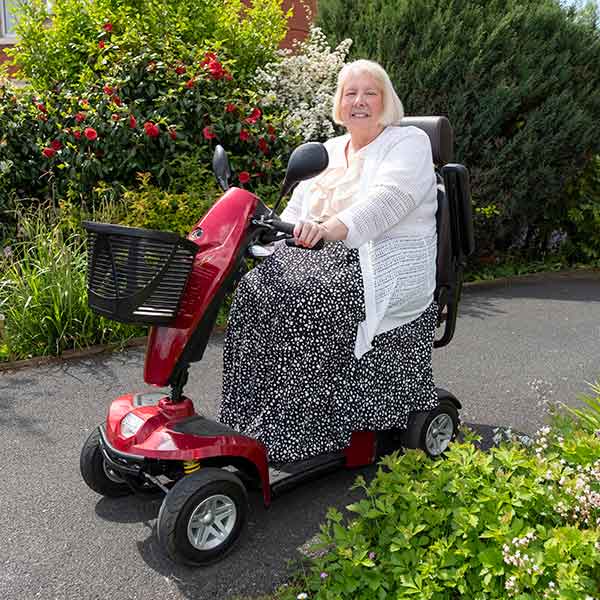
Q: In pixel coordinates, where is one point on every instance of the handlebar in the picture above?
(288, 230)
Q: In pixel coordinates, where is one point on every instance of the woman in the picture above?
(323, 343)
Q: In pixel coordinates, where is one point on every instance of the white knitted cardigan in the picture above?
(392, 223)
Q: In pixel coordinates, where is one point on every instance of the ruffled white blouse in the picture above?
(335, 189)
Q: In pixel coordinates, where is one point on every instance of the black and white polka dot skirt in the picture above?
(290, 377)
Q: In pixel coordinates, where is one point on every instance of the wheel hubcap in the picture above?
(212, 522)
(439, 434)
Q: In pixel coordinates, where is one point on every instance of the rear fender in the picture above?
(443, 394)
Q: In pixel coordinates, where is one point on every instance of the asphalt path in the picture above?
(519, 346)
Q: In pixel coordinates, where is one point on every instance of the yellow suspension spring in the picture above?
(190, 466)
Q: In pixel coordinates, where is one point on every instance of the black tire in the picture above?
(96, 473)
(419, 424)
(192, 496)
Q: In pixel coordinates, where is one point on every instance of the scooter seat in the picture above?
(199, 425)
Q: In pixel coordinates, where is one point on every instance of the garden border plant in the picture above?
(520, 521)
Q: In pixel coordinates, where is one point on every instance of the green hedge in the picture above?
(519, 81)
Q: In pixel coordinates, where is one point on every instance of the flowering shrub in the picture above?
(516, 522)
(306, 81)
(139, 117)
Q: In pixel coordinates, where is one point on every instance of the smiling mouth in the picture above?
(360, 115)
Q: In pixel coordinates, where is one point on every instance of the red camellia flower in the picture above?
(215, 68)
(40, 106)
(189, 84)
(48, 152)
(101, 44)
(90, 133)
(208, 134)
(255, 115)
(108, 90)
(132, 122)
(244, 135)
(77, 135)
(151, 129)
(230, 107)
(207, 58)
(56, 145)
(116, 117)
(116, 100)
(180, 69)
(244, 177)
(107, 27)
(172, 134)
(271, 130)
(80, 116)
(263, 146)
(42, 117)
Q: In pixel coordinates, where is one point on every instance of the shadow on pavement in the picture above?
(261, 560)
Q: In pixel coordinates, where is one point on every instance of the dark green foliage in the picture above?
(583, 241)
(519, 81)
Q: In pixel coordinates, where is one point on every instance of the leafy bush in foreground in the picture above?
(517, 522)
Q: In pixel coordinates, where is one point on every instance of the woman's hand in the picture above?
(308, 233)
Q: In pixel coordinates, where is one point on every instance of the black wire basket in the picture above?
(137, 275)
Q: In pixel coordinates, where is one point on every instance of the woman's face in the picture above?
(362, 104)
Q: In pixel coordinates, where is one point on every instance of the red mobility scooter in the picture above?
(154, 442)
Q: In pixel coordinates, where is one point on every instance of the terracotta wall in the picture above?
(300, 21)
(3, 56)
(298, 24)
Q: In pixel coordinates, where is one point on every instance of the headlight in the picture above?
(130, 425)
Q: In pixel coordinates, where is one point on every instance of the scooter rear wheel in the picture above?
(96, 473)
(202, 516)
(434, 430)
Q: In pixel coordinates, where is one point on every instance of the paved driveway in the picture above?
(517, 347)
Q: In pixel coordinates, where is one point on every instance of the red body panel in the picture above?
(155, 438)
(361, 450)
(224, 228)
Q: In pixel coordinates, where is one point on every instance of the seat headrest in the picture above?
(440, 135)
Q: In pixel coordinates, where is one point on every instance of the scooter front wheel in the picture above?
(202, 516)
(96, 473)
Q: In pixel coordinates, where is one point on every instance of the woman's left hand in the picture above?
(308, 233)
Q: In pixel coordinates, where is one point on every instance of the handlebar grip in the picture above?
(284, 227)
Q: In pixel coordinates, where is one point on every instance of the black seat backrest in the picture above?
(455, 237)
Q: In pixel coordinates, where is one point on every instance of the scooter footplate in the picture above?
(288, 474)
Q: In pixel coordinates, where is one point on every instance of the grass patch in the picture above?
(43, 290)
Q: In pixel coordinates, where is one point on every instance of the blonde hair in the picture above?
(393, 111)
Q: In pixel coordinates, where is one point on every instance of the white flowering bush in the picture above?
(521, 521)
(302, 85)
